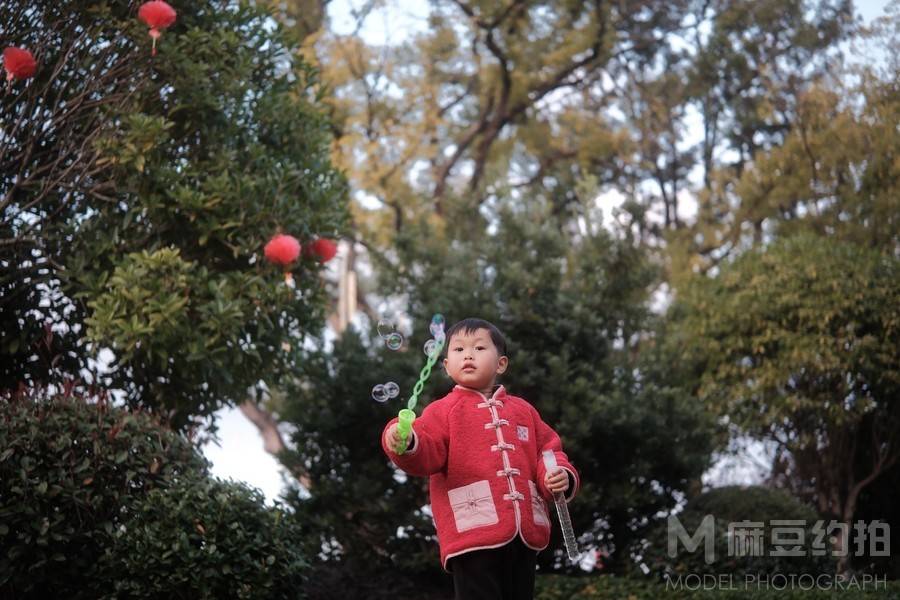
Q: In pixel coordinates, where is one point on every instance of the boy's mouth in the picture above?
(469, 368)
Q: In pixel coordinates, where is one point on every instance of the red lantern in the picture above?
(19, 64)
(283, 250)
(324, 249)
(157, 15)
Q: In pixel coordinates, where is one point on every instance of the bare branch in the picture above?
(273, 443)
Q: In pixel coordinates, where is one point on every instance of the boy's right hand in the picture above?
(394, 440)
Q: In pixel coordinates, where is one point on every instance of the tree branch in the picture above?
(273, 442)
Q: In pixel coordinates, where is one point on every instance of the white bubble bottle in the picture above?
(562, 511)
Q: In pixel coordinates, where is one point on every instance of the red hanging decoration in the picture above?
(18, 63)
(324, 249)
(157, 15)
(283, 250)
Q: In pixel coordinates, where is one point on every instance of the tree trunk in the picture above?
(273, 443)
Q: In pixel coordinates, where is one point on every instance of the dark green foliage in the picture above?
(205, 539)
(97, 501)
(734, 504)
(555, 587)
(355, 499)
(807, 327)
(71, 472)
(189, 162)
(573, 310)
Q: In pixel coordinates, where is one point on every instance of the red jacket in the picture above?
(483, 457)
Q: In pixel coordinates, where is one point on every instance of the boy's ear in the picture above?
(502, 364)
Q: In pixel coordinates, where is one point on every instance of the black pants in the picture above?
(504, 573)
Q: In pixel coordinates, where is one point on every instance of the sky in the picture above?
(239, 455)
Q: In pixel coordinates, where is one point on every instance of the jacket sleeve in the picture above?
(426, 453)
(548, 439)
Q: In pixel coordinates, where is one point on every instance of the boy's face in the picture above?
(473, 360)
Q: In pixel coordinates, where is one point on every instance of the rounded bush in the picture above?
(206, 538)
(71, 472)
(734, 505)
(102, 502)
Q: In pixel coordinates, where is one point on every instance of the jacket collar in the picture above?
(499, 391)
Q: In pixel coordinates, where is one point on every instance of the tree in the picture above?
(142, 217)
(572, 304)
(471, 104)
(827, 168)
(834, 174)
(543, 95)
(797, 343)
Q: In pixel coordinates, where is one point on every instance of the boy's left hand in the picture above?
(557, 481)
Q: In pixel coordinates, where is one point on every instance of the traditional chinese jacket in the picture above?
(483, 457)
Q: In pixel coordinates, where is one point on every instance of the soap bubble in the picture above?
(438, 319)
(430, 347)
(386, 326)
(391, 389)
(436, 330)
(379, 394)
(394, 341)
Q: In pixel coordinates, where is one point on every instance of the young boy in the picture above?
(481, 448)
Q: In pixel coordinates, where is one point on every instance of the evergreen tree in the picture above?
(573, 305)
(797, 343)
(139, 191)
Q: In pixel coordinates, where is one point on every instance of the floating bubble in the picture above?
(386, 326)
(436, 329)
(430, 347)
(438, 319)
(379, 394)
(391, 389)
(394, 341)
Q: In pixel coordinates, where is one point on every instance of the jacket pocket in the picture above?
(538, 506)
(473, 506)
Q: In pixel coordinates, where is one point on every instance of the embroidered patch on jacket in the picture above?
(522, 432)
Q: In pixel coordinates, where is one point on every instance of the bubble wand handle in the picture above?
(406, 416)
(562, 511)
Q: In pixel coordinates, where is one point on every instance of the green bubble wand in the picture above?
(406, 416)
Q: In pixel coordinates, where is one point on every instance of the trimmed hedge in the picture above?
(610, 587)
(100, 502)
(206, 539)
(70, 472)
(734, 504)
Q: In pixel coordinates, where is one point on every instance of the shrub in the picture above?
(98, 501)
(734, 504)
(204, 538)
(610, 587)
(70, 472)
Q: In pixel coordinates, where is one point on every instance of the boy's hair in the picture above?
(472, 324)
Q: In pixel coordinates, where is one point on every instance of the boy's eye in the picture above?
(458, 349)
(480, 348)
